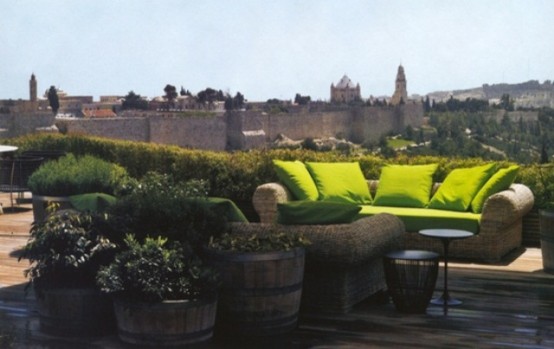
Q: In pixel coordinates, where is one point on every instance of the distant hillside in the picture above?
(527, 94)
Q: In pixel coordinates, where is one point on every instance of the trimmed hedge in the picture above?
(234, 175)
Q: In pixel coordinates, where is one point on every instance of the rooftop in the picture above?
(506, 305)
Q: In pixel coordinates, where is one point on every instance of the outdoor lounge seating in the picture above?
(497, 228)
(344, 262)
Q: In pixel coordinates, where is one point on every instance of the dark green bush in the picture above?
(157, 270)
(157, 205)
(66, 250)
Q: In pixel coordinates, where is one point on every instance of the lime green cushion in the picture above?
(405, 185)
(92, 201)
(499, 181)
(416, 219)
(316, 212)
(295, 176)
(460, 186)
(340, 182)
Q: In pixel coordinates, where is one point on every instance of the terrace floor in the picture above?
(509, 305)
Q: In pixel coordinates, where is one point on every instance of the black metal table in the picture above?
(411, 277)
(446, 236)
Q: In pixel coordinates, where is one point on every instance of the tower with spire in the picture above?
(400, 91)
(33, 88)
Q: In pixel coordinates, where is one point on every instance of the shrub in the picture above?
(66, 250)
(157, 270)
(158, 205)
(274, 241)
(70, 175)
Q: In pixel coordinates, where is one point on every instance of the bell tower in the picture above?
(33, 88)
(400, 92)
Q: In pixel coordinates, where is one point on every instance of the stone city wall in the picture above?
(196, 132)
(246, 129)
(18, 124)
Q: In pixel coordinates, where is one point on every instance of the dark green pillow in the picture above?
(499, 181)
(295, 176)
(340, 182)
(405, 185)
(460, 187)
(316, 212)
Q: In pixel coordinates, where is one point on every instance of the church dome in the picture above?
(345, 82)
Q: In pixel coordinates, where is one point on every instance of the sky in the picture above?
(271, 49)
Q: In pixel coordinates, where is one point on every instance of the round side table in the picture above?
(446, 235)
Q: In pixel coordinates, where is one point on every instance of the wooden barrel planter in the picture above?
(260, 293)
(546, 220)
(75, 312)
(179, 322)
(41, 202)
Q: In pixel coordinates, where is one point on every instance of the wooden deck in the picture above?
(509, 305)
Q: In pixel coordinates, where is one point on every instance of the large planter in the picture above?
(260, 292)
(41, 203)
(75, 312)
(546, 222)
(178, 322)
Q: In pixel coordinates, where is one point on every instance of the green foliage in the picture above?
(236, 175)
(274, 241)
(157, 205)
(540, 179)
(134, 101)
(157, 270)
(70, 175)
(66, 250)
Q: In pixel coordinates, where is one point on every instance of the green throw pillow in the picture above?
(405, 185)
(460, 186)
(340, 182)
(499, 181)
(316, 212)
(295, 176)
(92, 201)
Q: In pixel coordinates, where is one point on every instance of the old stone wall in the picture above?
(240, 129)
(196, 132)
(18, 124)
(131, 129)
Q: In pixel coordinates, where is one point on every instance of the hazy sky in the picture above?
(271, 49)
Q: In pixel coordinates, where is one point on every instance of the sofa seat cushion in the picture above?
(416, 219)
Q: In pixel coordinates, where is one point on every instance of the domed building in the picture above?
(345, 91)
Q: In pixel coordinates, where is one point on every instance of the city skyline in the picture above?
(271, 50)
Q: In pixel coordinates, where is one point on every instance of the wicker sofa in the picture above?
(500, 224)
(344, 262)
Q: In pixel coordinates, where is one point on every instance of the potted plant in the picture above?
(59, 181)
(163, 294)
(65, 251)
(261, 276)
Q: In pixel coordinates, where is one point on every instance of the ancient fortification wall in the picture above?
(17, 124)
(233, 130)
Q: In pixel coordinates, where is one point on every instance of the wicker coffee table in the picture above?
(446, 235)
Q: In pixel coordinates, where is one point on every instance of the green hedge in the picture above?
(234, 175)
